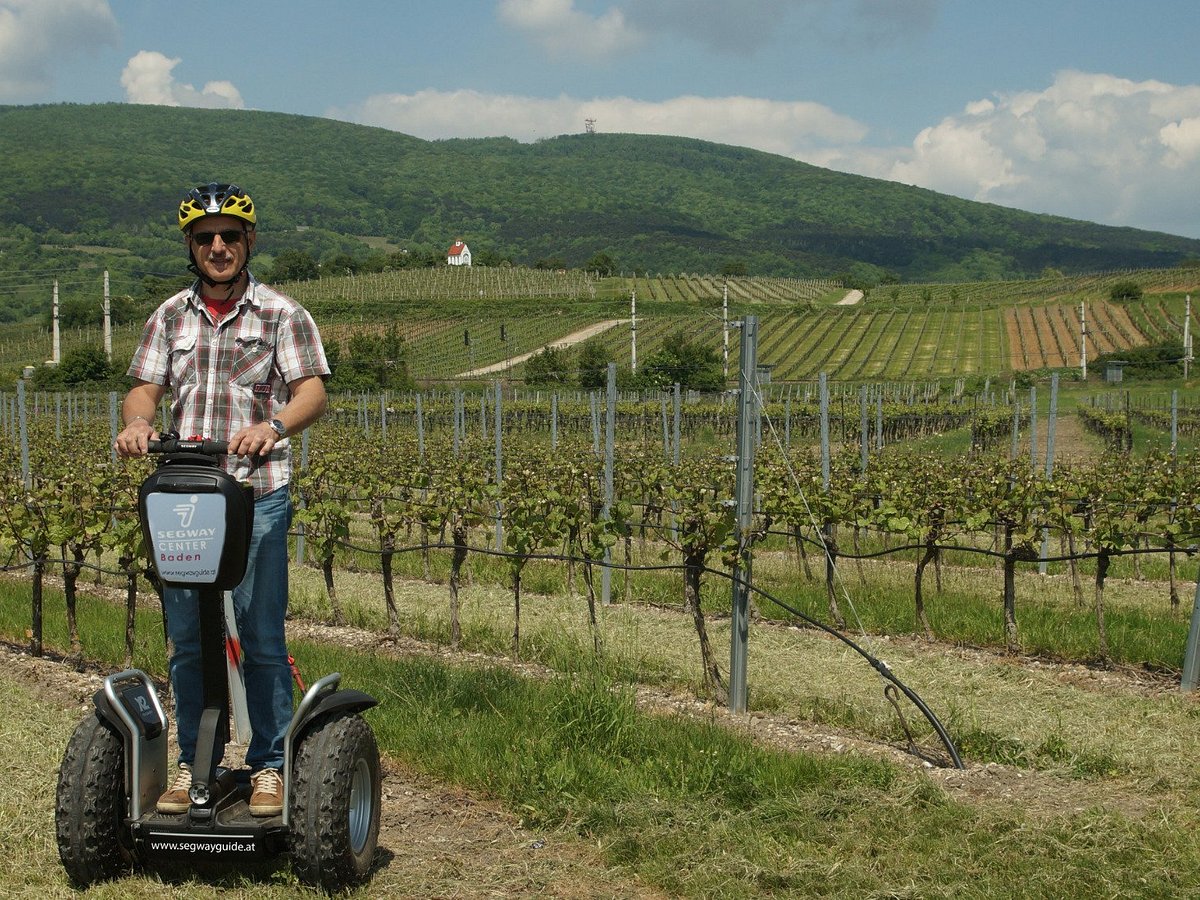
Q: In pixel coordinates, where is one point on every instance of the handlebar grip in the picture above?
(178, 445)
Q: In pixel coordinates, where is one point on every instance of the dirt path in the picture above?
(852, 298)
(575, 337)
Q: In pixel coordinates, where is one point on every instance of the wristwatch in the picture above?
(279, 428)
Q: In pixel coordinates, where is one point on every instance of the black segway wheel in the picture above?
(335, 800)
(89, 808)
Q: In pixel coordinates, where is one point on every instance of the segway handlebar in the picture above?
(169, 443)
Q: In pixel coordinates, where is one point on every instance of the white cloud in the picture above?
(147, 78)
(1089, 146)
(788, 128)
(35, 33)
(1182, 139)
(566, 32)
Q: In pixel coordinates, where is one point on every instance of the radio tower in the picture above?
(589, 126)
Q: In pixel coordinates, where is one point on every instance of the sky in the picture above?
(1082, 108)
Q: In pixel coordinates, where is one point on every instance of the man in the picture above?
(245, 364)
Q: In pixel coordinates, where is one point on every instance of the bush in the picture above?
(593, 365)
(550, 365)
(1125, 292)
(680, 361)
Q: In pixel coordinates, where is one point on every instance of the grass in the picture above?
(689, 807)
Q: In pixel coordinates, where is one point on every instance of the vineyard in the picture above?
(431, 466)
(459, 319)
(481, 524)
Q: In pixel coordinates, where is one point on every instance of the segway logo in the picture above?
(185, 511)
(188, 536)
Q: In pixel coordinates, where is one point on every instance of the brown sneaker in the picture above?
(267, 799)
(175, 800)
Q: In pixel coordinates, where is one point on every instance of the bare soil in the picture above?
(576, 337)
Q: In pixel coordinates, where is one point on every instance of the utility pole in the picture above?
(56, 351)
(725, 325)
(1187, 336)
(1082, 342)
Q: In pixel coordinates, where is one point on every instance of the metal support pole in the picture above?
(1050, 429)
(744, 491)
(1174, 422)
(23, 430)
(864, 427)
(675, 432)
(496, 428)
(1033, 438)
(609, 440)
(1191, 659)
(113, 423)
(823, 388)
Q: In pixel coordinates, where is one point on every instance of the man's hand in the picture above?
(135, 438)
(254, 440)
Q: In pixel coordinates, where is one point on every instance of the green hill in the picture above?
(86, 187)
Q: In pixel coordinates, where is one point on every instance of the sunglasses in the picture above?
(228, 236)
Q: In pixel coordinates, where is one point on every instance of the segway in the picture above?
(196, 520)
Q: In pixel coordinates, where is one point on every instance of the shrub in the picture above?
(1125, 292)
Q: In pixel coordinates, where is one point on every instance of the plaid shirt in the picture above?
(227, 375)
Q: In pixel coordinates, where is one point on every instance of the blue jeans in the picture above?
(260, 605)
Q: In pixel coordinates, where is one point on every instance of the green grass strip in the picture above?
(700, 811)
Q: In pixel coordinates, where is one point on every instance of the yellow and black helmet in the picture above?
(215, 200)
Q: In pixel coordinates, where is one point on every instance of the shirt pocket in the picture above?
(252, 360)
(182, 360)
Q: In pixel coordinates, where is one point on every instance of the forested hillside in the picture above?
(94, 186)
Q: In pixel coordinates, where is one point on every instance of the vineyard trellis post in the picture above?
(823, 388)
(609, 440)
(1051, 424)
(554, 421)
(1033, 431)
(744, 498)
(499, 413)
(864, 427)
(675, 431)
(1191, 656)
(662, 402)
(113, 400)
(1174, 422)
(23, 429)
